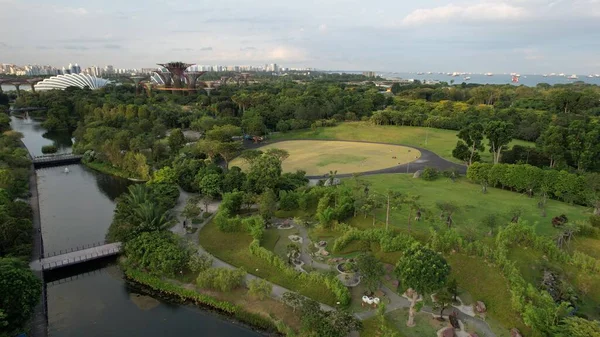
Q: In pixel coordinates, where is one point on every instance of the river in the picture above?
(76, 209)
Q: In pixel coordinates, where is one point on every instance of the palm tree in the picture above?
(150, 218)
(138, 194)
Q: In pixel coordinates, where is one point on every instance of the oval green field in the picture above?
(319, 157)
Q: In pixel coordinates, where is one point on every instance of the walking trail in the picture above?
(395, 301)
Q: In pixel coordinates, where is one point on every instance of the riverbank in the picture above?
(38, 324)
(170, 290)
(109, 169)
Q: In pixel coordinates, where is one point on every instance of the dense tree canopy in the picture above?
(19, 293)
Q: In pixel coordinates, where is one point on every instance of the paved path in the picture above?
(277, 291)
(395, 301)
(305, 252)
(427, 159)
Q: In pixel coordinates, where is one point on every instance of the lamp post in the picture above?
(408, 163)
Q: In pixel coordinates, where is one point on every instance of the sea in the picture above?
(524, 79)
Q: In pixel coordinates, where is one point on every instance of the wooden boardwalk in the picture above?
(76, 257)
(56, 160)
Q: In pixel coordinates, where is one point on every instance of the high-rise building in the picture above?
(369, 73)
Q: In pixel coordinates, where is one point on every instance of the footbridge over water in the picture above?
(56, 160)
(75, 256)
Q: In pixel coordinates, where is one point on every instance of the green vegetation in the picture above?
(169, 289)
(20, 292)
(481, 232)
(49, 149)
(233, 248)
(107, 169)
(19, 288)
(472, 205)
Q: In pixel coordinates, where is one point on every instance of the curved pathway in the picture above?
(427, 159)
(396, 301)
(305, 251)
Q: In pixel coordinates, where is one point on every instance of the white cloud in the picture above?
(323, 28)
(72, 11)
(284, 53)
(482, 12)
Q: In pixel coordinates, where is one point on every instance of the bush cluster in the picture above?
(561, 185)
(340, 291)
(388, 241)
(430, 174)
(222, 279)
(532, 303)
(48, 149)
(226, 223)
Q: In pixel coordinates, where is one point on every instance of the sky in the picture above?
(525, 36)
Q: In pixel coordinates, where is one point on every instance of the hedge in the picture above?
(388, 241)
(172, 290)
(47, 149)
(341, 292)
(525, 298)
(560, 185)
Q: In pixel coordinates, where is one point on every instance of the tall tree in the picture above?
(371, 270)
(422, 270)
(228, 151)
(19, 293)
(265, 172)
(267, 204)
(472, 135)
(553, 144)
(176, 140)
(499, 135)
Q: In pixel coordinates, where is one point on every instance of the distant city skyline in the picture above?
(525, 36)
(75, 68)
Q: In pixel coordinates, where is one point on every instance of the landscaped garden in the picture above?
(317, 158)
(327, 230)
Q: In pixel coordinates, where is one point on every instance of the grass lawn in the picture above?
(233, 249)
(439, 141)
(426, 326)
(487, 284)
(474, 205)
(319, 157)
(267, 307)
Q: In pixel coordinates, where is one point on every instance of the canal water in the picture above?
(76, 209)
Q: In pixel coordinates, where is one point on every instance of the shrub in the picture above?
(47, 149)
(256, 226)
(451, 173)
(595, 221)
(259, 288)
(232, 202)
(199, 263)
(221, 279)
(430, 174)
(158, 252)
(288, 200)
(226, 223)
(340, 291)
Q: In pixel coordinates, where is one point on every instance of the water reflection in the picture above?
(76, 208)
(35, 136)
(107, 306)
(93, 300)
